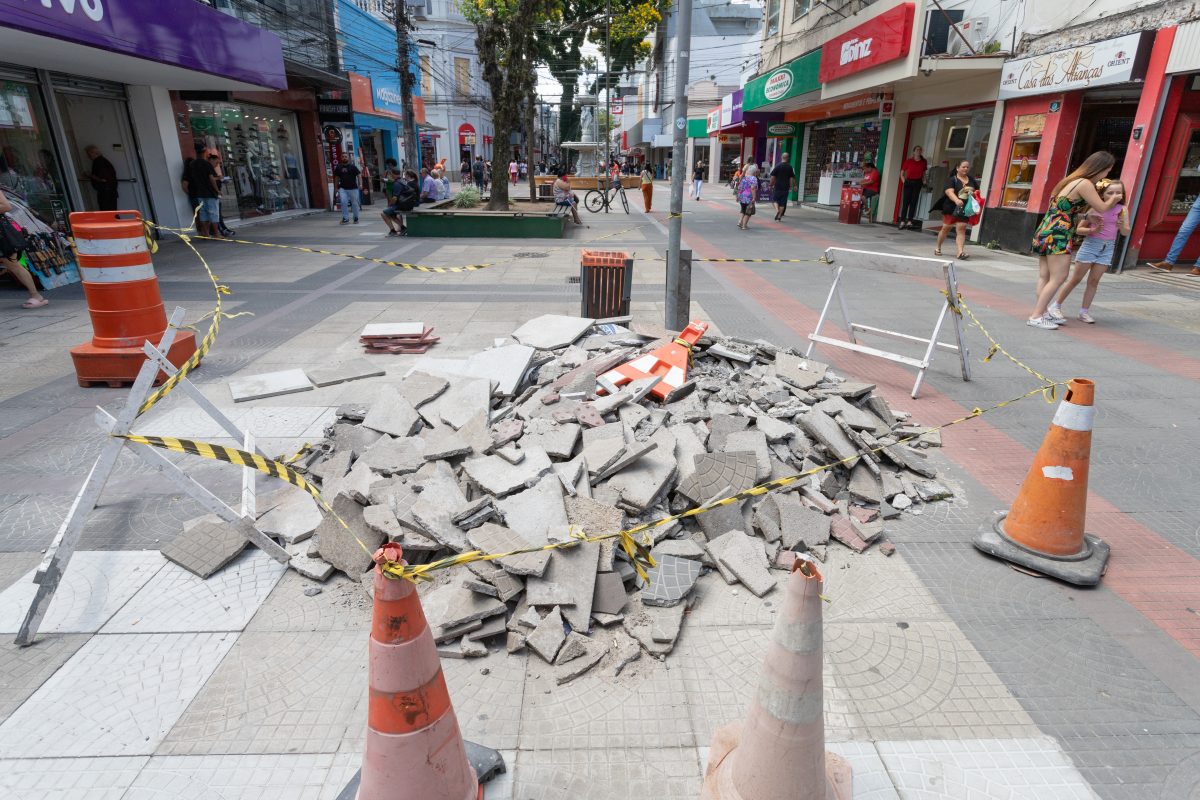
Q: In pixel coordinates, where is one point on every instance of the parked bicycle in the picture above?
(605, 198)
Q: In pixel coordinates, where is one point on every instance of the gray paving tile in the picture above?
(342, 604)
(276, 692)
(232, 777)
(95, 586)
(24, 669)
(15, 566)
(206, 547)
(136, 687)
(488, 706)
(175, 600)
(69, 778)
(605, 773)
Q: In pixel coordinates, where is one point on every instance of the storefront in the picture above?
(79, 76)
(466, 142)
(1060, 107)
(376, 109)
(948, 137)
(770, 99)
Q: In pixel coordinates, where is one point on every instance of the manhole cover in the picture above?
(530, 255)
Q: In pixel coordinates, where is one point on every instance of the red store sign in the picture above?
(877, 41)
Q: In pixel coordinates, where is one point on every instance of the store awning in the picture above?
(143, 42)
(786, 87)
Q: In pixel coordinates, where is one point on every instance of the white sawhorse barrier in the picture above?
(841, 260)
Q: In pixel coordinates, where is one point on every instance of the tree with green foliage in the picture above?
(560, 46)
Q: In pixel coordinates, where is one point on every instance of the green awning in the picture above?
(797, 77)
(697, 128)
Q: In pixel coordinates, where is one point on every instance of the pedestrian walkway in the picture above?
(946, 672)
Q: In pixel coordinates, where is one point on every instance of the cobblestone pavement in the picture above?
(947, 674)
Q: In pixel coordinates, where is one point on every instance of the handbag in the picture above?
(12, 238)
(752, 210)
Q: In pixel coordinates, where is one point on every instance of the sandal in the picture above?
(963, 256)
(937, 252)
(31, 303)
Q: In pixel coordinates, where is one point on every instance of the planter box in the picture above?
(528, 221)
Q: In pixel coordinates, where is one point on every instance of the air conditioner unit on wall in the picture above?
(976, 30)
(420, 9)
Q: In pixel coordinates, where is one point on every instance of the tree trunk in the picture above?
(529, 106)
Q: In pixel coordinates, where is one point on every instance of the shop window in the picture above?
(426, 77)
(462, 75)
(29, 170)
(1181, 176)
(260, 161)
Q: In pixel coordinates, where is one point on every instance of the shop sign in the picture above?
(794, 78)
(1103, 63)
(887, 109)
(616, 107)
(879, 40)
(779, 130)
(714, 120)
(334, 110)
(731, 109)
(624, 140)
(385, 95)
(863, 103)
(466, 134)
(696, 128)
(165, 33)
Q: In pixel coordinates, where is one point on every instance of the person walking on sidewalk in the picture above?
(747, 191)
(349, 194)
(781, 185)
(1190, 223)
(912, 171)
(1054, 239)
(477, 172)
(512, 171)
(952, 205)
(698, 178)
(647, 188)
(11, 244)
(1096, 253)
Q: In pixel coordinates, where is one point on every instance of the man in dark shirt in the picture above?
(781, 186)
(348, 191)
(205, 187)
(104, 179)
(477, 172)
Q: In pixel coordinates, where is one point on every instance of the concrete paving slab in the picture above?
(420, 387)
(346, 371)
(395, 456)
(744, 557)
(206, 547)
(456, 407)
(538, 513)
(491, 538)
(548, 637)
(821, 427)
(54, 778)
(94, 587)
(348, 549)
(557, 439)
(233, 777)
(714, 473)
(26, 668)
(137, 687)
(438, 502)
(642, 483)
(569, 580)
(500, 478)
(609, 596)
(671, 581)
(310, 567)
(392, 414)
(293, 520)
(552, 331)
(453, 604)
(269, 384)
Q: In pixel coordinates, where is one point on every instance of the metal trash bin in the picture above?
(605, 283)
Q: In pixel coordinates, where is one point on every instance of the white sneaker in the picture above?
(1055, 315)
(1041, 322)
(1086, 317)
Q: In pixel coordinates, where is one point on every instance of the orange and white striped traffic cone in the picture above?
(778, 753)
(414, 750)
(1044, 529)
(669, 362)
(123, 299)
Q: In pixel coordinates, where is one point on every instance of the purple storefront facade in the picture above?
(117, 75)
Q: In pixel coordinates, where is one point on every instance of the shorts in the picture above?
(780, 199)
(746, 207)
(210, 209)
(395, 211)
(1096, 251)
(869, 193)
(950, 219)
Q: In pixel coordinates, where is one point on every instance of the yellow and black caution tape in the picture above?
(959, 306)
(638, 551)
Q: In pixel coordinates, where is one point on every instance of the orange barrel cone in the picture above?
(670, 362)
(414, 750)
(1044, 529)
(122, 297)
(778, 753)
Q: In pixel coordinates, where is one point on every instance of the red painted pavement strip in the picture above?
(1154, 576)
(1140, 350)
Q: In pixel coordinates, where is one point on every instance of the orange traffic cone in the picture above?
(778, 753)
(670, 362)
(1044, 529)
(123, 299)
(414, 750)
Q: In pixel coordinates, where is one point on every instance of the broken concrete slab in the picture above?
(206, 547)
(656, 629)
(868, 531)
(333, 468)
(745, 558)
(852, 415)
(752, 441)
(548, 636)
(441, 635)
(356, 483)
(491, 538)
(353, 439)
(688, 445)
(453, 604)
(391, 413)
(311, 567)
(354, 370)
(721, 426)
(798, 523)
(602, 454)
(864, 485)
(823, 429)
(537, 514)
(844, 532)
(293, 520)
(850, 389)
(632, 414)
(552, 331)
(714, 472)
(800, 372)
(382, 519)
(593, 518)
(269, 384)
(575, 645)
(439, 500)
(644, 482)
(569, 579)
(631, 453)
(472, 649)
(557, 439)
(348, 549)
(492, 626)
(775, 430)
(679, 548)
(593, 655)
(929, 491)
(462, 400)
(723, 518)
(444, 442)
(419, 387)
(609, 596)
(500, 478)
(392, 456)
(670, 581)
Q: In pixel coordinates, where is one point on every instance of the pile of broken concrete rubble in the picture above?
(519, 445)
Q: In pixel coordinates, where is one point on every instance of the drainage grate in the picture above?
(573, 279)
(530, 255)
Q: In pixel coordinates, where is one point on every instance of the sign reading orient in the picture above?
(879, 40)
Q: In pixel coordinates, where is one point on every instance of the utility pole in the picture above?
(607, 92)
(679, 274)
(397, 10)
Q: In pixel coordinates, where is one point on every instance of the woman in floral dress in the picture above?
(1054, 239)
(747, 192)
